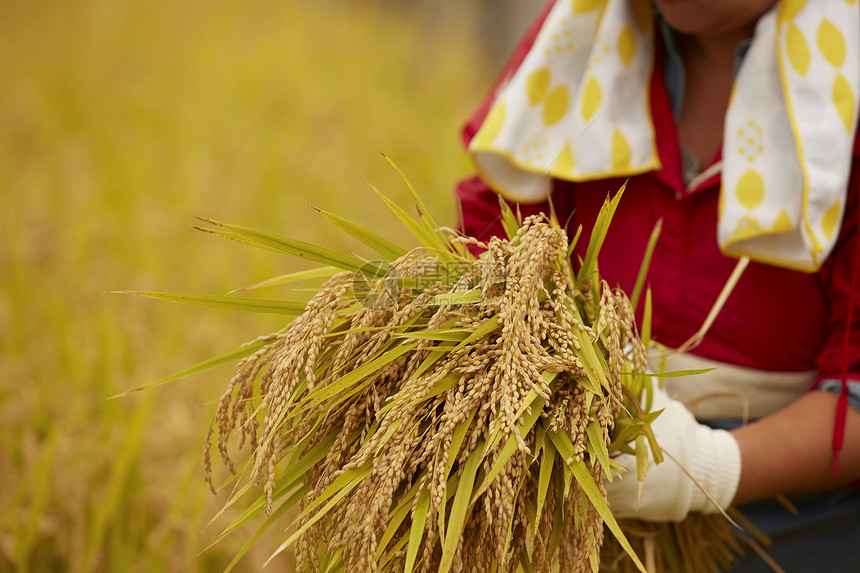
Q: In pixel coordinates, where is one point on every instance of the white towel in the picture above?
(578, 109)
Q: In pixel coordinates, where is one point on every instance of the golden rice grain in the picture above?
(452, 370)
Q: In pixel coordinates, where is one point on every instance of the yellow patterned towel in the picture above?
(578, 109)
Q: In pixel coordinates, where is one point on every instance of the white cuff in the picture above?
(716, 464)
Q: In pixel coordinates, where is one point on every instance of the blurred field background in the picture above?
(119, 121)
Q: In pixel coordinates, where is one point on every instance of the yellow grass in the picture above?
(118, 122)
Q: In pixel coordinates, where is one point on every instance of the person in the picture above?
(734, 122)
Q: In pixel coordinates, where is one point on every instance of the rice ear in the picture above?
(463, 413)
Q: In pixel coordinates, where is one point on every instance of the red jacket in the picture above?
(775, 319)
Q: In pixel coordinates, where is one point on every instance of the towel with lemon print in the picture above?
(578, 109)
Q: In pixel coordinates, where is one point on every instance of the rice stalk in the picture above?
(446, 411)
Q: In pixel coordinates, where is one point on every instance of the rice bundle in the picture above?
(442, 411)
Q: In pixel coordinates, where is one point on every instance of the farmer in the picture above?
(734, 122)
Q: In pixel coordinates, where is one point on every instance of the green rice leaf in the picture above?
(558, 516)
(413, 322)
(292, 246)
(387, 435)
(594, 367)
(333, 563)
(380, 244)
(573, 242)
(416, 532)
(432, 225)
(290, 478)
(227, 358)
(598, 235)
(580, 473)
(680, 373)
(646, 262)
(525, 562)
(512, 519)
(472, 296)
(446, 335)
(396, 517)
(285, 506)
(456, 443)
(641, 461)
(439, 387)
(344, 484)
(457, 440)
(545, 475)
(435, 354)
(459, 510)
(226, 302)
(318, 273)
(237, 238)
(354, 376)
(529, 399)
(656, 450)
(594, 557)
(646, 320)
(509, 221)
(509, 448)
(598, 446)
(646, 342)
(394, 550)
(486, 328)
(427, 238)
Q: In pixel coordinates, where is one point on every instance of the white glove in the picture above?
(668, 494)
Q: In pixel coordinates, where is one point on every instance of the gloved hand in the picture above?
(668, 494)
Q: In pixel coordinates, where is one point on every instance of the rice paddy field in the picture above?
(119, 122)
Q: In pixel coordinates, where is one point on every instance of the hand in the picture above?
(711, 456)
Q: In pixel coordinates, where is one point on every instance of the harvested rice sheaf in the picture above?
(442, 411)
